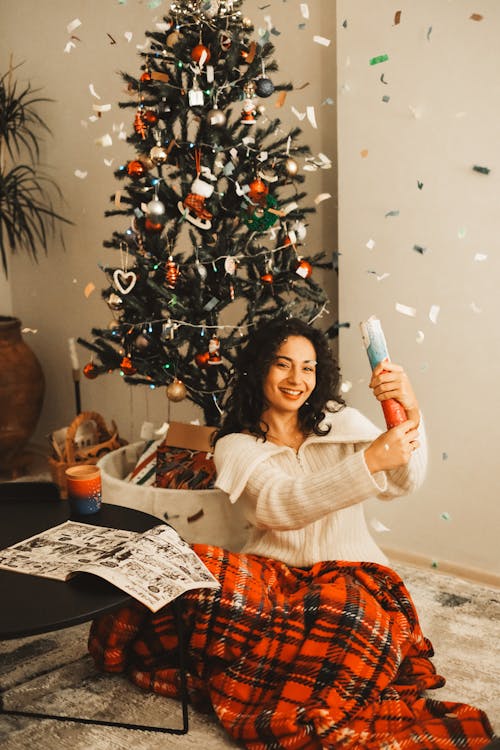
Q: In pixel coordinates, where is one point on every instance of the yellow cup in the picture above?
(84, 489)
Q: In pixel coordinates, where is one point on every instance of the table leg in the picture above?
(176, 606)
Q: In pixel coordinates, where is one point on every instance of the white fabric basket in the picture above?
(199, 516)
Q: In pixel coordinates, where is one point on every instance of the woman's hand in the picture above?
(393, 448)
(389, 380)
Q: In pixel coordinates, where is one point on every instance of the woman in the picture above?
(312, 641)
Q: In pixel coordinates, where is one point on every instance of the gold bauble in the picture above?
(176, 391)
(291, 166)
(158, 155)
(247, 22)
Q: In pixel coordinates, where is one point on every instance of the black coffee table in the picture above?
(32, 605)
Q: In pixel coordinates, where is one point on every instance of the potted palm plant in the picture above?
(28, 220)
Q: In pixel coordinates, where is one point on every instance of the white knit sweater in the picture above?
(306, 507)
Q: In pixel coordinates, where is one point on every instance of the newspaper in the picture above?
(154, 567)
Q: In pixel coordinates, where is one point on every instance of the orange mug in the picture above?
(84, 489)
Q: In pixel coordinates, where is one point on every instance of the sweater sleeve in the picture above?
(275, 500)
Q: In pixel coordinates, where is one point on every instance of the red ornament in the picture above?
(127, 367)
(267, 278)
(139, 126)
(136, 169)
(90, 371)
(304, 269)
(151, 226)
(258, 190)
(150, 117)
(171, 272)
(198, 51)
(201, 359)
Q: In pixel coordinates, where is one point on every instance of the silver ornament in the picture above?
(155, 210)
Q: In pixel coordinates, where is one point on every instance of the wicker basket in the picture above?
(94, 441)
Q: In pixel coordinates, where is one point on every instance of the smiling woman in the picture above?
(312, 641)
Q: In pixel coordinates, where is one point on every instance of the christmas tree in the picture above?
(214, 226)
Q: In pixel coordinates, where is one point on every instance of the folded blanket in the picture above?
(326, 657)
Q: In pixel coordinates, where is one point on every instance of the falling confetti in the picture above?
(378, 59)
(475, 308)
(433, 313)
(445, 516)
(444, 456)
(89, 289)
(476, 17)
(480, 257)
(419, 249)
(346, 386)
(378, 525)
(370, 244)
(364, 153)
(392, 213)
(73, 25)
(322, 40)
(420, 337)
(311, 116)
(406, 310)
(420, 184)
(386, 99)
(322, 197)
(93, 91)
(481, 170)
(397, 17)
(81, 175)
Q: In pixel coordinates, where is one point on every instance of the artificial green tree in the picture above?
(211, 206)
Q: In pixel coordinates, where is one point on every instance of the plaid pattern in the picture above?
(181, 468)
(328, 657)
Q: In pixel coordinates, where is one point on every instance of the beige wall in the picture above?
(441, 120)
(49, 296)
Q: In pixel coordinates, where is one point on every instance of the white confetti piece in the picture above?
(291, 207)
(304, 10)
(299, 115)
(420, 337)
(378, 525)
(108, 162)
(381, 276)
(405, 310)
(322, 197)
(81, 175)
(434, 313)
(480, 257)
(345, 386)
(416, 112)
(475, 308)
(128, 36)
(105, 141)
(461, 233)
(322, 40)
(311, 116)
(72, 25)
(93, 118)
(29, 330)
(69, 47)
(370, 244)
(93, 91)
(101, 107)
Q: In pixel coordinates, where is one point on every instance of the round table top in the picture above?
(32, 605)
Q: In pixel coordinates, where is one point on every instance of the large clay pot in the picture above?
(22, 387)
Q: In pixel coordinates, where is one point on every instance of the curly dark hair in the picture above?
(245, 402)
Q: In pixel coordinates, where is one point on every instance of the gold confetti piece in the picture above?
(89, 289)
(73, 25)
(157, 75)
(476, 17)
(118, 197)
(397, 17)
(281, 99)
(364, 153)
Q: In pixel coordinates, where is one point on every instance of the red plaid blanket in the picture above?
(328, 657)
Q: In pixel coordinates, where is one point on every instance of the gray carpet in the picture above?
(53, 673)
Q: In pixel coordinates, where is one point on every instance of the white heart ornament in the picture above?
(124, 280)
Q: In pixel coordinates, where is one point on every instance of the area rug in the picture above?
(53, 673)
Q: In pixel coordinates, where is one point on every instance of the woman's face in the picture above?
(292, 376)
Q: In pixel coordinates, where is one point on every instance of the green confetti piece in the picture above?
(434, 564)
(481, 170)
(445, 516)
(386, 99)
(420, 184)
(419, 249)
(392, 213)
(444, 456)
(378, 59)
(429, 32)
